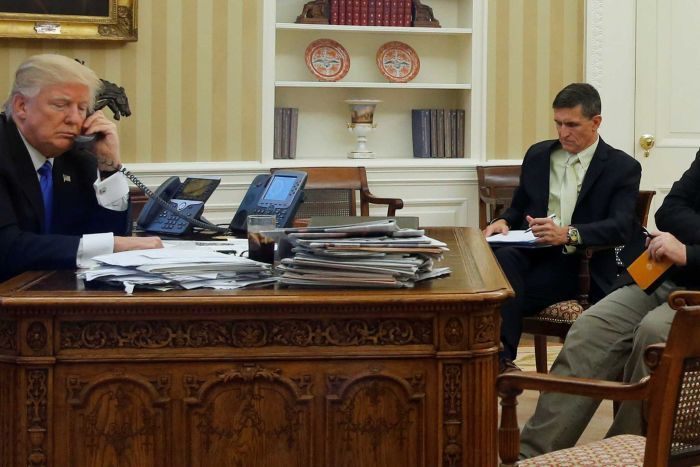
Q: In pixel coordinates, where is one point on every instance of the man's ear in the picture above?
(597, 120)
(19, 106)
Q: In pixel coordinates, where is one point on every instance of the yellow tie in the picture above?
(569, 189)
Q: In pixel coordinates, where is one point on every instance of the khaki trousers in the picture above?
(606, 341)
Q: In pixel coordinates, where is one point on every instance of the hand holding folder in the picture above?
(647, 272)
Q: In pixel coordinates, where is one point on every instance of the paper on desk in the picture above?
(178, 267)
(513, 236)
(167, 256)
(231, 245)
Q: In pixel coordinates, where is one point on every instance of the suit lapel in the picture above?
(598, 163)
(26, 174)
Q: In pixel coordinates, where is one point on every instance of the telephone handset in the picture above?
(184, 202)
(279, 194)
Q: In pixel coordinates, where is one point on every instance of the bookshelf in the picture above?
(452, 75)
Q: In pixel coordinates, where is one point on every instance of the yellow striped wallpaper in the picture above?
(192, 79)
(193, 76)
(536, 47)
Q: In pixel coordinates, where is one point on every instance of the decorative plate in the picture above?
(398, 62)
(327, 60)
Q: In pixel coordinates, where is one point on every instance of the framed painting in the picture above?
(69, 19)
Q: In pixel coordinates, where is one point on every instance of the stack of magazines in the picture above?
(371, 254)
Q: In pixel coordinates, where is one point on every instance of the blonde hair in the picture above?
(40, 71)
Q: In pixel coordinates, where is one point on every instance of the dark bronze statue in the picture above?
(423, 16)
(114, 97)
(314, 12)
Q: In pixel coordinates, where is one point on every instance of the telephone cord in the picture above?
(166, 205)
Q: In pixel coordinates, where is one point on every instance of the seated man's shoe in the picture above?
(506, 365)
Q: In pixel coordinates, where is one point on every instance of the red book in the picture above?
(364, 12)
(372, 17)
(335, 13)
(341, 12)
(387, 13)
(379, 12)
(356, 8)
(396, 13)
(407, 13)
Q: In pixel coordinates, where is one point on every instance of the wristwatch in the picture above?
(572, 237)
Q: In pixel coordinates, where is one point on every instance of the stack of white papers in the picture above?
(177, 268)
(371, 254)
(514, 237)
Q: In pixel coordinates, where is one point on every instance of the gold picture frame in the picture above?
(113, 20)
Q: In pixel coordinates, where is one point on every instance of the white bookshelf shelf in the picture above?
(370, 85)
(373, 29)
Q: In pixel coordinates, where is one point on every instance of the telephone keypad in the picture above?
(169, 223)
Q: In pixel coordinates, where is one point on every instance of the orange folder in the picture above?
(645, 271)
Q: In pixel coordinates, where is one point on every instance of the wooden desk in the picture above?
(267, 377)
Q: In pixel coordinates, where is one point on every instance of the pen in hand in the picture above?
(551, 216)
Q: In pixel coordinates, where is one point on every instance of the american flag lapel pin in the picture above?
(66, 178)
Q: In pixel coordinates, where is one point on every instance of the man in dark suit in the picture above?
(53, 196)
(574, 191)
(610, 338)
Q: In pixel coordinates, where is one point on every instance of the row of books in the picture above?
(438, 132)
(372, 12)
(285, 138)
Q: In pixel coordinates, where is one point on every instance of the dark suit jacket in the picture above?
(75, 209)
(605, 208)
(680, 215)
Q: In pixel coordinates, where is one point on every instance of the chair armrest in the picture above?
(392, 203)
(515, 382)
(510, 385)
(584, 273)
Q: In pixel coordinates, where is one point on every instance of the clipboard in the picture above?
(647, 273)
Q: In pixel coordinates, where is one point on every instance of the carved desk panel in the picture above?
(265, 377)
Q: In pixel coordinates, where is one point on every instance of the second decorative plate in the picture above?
(327, 59)
(398, 62)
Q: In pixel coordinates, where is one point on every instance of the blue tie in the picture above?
(46, 181)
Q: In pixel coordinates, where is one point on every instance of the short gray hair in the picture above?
(40, 71)
(582, 94)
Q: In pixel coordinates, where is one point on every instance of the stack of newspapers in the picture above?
(370, 254)
(181, 267)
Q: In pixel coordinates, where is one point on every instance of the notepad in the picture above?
(519, 237)
(646, 272)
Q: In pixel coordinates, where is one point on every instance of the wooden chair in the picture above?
(672, 394)
(556, 319)
(138, 201)
(496, 187)
(333, 191)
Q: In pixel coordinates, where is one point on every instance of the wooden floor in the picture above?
(526, 403)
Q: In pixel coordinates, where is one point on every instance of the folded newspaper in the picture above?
(368, 254)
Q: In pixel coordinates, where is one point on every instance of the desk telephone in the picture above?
(187, 199)
(279, 194)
